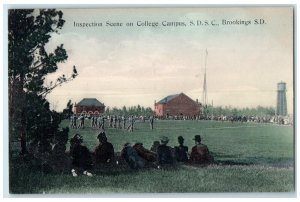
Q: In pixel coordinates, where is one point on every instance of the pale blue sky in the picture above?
(137, 65)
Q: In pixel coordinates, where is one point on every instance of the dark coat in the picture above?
(132, 158)
(164, 154)
(200, 154)
(81, 157)
(104, 152)
(145, 153)
(181, 153)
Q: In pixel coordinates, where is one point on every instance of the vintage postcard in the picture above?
(186, 100)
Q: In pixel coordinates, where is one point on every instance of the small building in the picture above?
(89, 106)
(177, 105)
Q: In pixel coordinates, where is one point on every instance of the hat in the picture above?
(101, 135)
(197, 138)
(126, 144)
(76, 139)
(164, 139)
(138, 143)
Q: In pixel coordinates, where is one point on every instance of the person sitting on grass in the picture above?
(181, 151)
(81, 156)
(154, 146)
(144, 153)
(104, 152)
(131, 157)
(164, 153)
(200, 153)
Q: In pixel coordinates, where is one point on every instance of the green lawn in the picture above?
(250, 158)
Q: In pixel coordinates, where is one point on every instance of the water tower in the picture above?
(281, 99)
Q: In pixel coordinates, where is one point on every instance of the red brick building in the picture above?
(177, 105)
(89, 106)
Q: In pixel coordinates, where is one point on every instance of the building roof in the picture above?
(90, 102)
(167, 99)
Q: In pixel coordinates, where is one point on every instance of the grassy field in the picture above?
(249, 158)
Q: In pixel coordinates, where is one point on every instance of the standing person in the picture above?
(80, 121)
(124, 122)
(93, 121)
(83, 119)
(115, 121)
(119, 122)
(102, 123)
(99, 120)
(200, 153)
(110, 121)
(131, 123)
(75, 121)
(181, 151)
(164, 152)
(104, 152)
(151, 122)
(72, 121)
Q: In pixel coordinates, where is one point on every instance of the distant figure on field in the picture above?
(164, 152)
(98, 122)
(93, 121)
(115, 121)
(151, 122)
(81, 121)
(119, 122)
(74, 121)
(181, 151)
(131, 157)
(102, 123)
(104, 152)
(124, 122)
(110, 121)
(81, 156)
(200, 153)
(144, 153)
(71, 121)
(131, 122)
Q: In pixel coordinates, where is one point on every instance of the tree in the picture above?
(29, 63)
(107, 111)
(67, 112)
(124, 110)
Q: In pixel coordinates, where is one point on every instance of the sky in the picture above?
(133, 65)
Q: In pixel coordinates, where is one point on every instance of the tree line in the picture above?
(209, 110)
(233, 111)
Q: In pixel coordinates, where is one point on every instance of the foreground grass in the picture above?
(250, 158)
(183, 179)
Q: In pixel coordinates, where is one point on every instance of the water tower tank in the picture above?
(281, 99)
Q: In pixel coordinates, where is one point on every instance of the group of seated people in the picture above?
(136, 155)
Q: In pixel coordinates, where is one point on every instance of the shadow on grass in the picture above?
(279, 162)
(229, 159)
(219, 155)
(232, 163)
